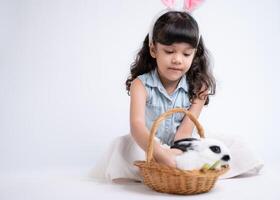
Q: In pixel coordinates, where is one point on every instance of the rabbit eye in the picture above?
(215, 149)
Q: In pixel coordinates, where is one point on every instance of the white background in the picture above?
(63, 65)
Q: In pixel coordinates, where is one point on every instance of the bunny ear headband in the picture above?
(173, 5)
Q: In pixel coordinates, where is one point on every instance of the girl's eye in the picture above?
(168, 52)
(185, 54)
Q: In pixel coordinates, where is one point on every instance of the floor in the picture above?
(75, 184)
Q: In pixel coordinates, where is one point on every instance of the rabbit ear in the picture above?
(187, 144)
(190, 5)
(168, 3)
(182, 147)
(185, 140)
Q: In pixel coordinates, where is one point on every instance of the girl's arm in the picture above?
(186, 128)
(138, 129)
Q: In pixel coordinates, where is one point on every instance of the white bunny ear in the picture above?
(168, 3)
(190, 5)
(182, 5)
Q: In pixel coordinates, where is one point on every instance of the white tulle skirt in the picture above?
(117, 163)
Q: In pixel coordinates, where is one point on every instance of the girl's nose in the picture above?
(176, 59)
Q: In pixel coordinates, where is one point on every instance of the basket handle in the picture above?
(200, 130)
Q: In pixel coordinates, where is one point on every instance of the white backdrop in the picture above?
(63, 65)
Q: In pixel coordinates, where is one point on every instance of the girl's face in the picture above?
(173, 61)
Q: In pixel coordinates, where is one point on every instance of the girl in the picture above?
(171, 70)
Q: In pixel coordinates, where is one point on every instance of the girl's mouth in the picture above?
(175, 69)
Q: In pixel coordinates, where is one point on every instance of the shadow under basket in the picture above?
(166, 179)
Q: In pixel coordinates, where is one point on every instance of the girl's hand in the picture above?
(176, 151)
(167, 156)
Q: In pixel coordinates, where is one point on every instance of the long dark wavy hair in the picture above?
(175, 27)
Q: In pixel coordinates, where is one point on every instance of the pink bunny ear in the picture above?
(168, 3)
(190, 5)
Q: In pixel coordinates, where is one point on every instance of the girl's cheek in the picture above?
(166, 59)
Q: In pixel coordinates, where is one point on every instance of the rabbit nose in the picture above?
(226, 158)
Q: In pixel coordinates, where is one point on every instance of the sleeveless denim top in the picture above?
(159, 101)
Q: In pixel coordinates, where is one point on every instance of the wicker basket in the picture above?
(166, 179)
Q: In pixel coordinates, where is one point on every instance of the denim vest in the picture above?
(159, 101)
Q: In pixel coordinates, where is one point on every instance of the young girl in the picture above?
(171, 70)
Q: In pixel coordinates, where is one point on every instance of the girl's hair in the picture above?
(175, 27)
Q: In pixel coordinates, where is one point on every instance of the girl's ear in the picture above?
(153, 50)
